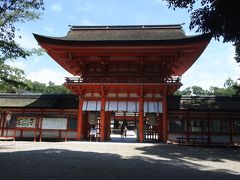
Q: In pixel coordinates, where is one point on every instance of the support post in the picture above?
(141, 116)
(164, 119)
(230, 120)
(35, 134)
(103, 119)
(80, 119)
(65, 137)
(14, 131)
(3, 122)
(40, 126)
(108, 122)
(160, 128)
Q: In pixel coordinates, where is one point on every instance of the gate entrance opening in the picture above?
(123, 127)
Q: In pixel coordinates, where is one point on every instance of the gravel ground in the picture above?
(110, 161)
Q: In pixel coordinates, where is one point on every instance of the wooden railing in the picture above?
(73, 79)
(175, 79)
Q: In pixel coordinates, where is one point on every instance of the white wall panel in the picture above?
(54, 123)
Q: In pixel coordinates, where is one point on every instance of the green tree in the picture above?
(177, 93)
(56, 89)
(187, 91)
(217, 91)
(197, 90)
(230, 88)
(12, 12)
(218, 17)
(51, 88)
(35, 87)
(11, 79)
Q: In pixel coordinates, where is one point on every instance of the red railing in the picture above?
(174, 79)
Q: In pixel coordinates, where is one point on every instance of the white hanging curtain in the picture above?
(91, 106)
(153, 107)
(128, 106)
(133, 106)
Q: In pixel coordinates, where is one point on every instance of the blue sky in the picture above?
(213, 67)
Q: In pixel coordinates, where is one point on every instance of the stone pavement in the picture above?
(109, 161)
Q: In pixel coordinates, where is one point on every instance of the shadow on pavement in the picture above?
(66, 164)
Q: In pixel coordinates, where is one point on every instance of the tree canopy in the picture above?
(230, 88)
(12, 12)
(218, 17)
(23, 85)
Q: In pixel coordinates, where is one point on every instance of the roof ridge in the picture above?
(117, 27)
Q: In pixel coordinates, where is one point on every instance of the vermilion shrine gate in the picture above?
(124, 73)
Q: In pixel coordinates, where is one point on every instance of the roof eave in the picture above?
(62, 41)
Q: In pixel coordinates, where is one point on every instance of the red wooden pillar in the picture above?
(108, 122)
(85, 127)
(141, 117)
(80, 119)
(160, 129)
(40, 127)
(3, 122)
(164, 120)
(14, 130)
(103, 119)
(35, 134)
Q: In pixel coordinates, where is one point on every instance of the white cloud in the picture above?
(72, 17)
(27, 40)
(45, 75)
(86, 7)
(48, 29)
(17, 63)
(160, 1)
(213, 68)
(87, 22)
(56, 7)
(36, 59)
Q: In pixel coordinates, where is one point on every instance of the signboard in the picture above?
(92, 118)
(54, 123)
(152, 119)
(26, 122)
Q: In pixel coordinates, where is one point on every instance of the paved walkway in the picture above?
(110, 161)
